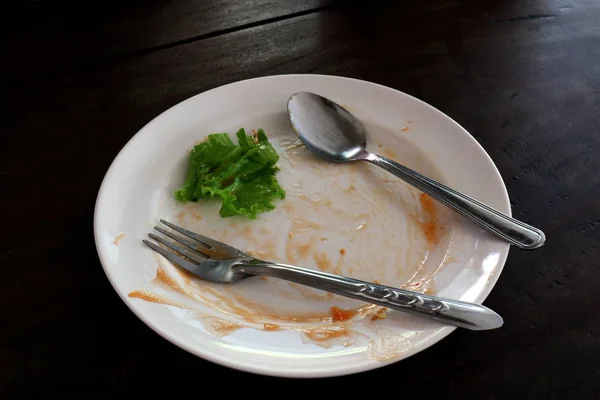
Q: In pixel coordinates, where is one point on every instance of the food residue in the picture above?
(322, 335)
(180, 217)
(221, 327)
(271, 327)
(339, 314)
(304, 249)
(404, 129)
(342, 251)
(387, 345)
(155, 298)
(381, 314)
(118, 238)
(389, 154)
(430, 224)
(324, 263)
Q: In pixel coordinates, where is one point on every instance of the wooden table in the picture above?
(77, 82)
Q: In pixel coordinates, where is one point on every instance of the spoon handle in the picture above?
(509, 229)
(452, 312)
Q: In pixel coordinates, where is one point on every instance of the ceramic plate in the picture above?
(350, 219)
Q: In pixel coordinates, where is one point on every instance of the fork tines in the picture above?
(193, 246)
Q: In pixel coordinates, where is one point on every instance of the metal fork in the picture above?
(218, 262)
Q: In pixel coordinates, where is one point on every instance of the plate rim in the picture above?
(434, 338)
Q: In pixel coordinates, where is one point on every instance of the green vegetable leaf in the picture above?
(242, 175)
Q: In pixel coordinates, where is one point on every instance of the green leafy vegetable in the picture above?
(243, 175)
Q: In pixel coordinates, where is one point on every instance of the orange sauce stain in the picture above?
(339, 314)
(154, 298)
(221, 327)
(415, 285)
(381, 314)
(323, 262)
(322, 335)
(271, 327)
(197, 217)
(290, 251)
(265, 249)
(404, 129)
(304, 249)
(255, 312)
(118, 238)
(342, 251)
(389, 154)
(167, 280)
(264, 255)
(290, 208)
(429, 226)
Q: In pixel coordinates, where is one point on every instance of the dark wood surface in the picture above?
(76, 83)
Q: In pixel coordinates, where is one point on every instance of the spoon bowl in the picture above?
(326, 128)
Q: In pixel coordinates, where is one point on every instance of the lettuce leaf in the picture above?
(242, 175)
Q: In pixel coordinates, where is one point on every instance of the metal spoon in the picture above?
(333, 133)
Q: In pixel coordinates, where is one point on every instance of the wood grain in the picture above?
(48, 38)
(522, 77)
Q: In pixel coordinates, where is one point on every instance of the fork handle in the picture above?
(457, 313)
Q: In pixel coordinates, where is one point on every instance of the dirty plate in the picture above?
(351, 219)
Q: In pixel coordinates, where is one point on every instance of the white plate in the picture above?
(388, 233)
